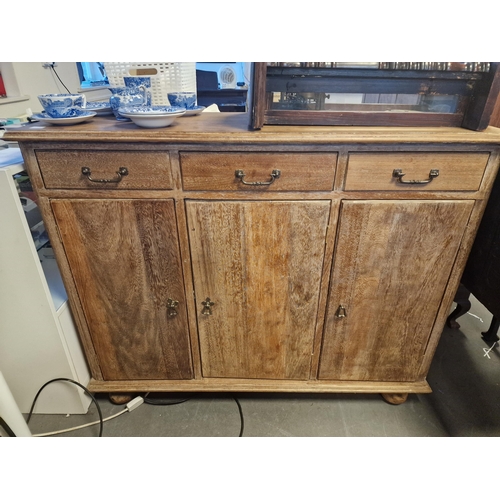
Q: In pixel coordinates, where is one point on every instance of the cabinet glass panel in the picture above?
(417, 87)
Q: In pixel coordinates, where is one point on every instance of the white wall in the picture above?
(30, 79)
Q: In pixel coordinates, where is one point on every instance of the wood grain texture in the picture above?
(483, 100)
(242, 385)
(299, 171)
(261, 264)
(258, 94)
(395, 399)
(224, 129)
(495, 115)
(392, 264)
(357, 118)
(457, 171)
(180, 209)
(146, 170)
(391, 255)
(125, 260)
(77, 312)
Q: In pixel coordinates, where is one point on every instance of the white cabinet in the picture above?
(38, 340)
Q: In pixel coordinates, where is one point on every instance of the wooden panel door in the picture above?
(124, 255)
(391, 267)
(261, 265)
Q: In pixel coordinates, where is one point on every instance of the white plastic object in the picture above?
(165, 77)
(10, 412)
(132, 405)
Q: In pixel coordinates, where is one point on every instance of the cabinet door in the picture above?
(391, 267)
(125, 260)
(261, 265)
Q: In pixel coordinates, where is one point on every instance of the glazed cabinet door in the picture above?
(257, 270)
(391, 267)
(125, 260)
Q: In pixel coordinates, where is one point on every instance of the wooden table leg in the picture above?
(463, 305)
(395, 398)
(120, 399)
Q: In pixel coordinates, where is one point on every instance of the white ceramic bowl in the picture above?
(153, 121)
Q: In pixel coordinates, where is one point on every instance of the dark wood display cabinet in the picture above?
(375, 94)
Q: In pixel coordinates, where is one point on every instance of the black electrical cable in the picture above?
(165, 402)
(55, 72)
(161, 402)
(241, 417)
(8, 430)
(101, 423)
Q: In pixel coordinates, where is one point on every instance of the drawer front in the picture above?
(456, 171)
(144, 170)
(297, 171)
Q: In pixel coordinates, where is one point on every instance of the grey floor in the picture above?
(465, 402)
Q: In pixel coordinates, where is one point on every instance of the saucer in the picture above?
(195, 110)
(44, 117)
(100, 107)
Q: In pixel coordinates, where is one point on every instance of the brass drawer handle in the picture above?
(398, 173)
(207, 307)
(172, 307)
(275, 174)
(122, 171)
(341, 312)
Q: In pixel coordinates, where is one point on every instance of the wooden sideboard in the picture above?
(292, 258)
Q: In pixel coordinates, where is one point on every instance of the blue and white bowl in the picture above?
(195, 110)
(135, 81)
(151, 110)
(100, 107)
(63, 105)
(186, 100)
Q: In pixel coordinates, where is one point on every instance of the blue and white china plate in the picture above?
(100, 107)
(44, 117)
(195, 110)
(151, 110)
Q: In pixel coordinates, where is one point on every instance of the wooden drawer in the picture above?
(374, 171)
(298, 171)
(146, 169)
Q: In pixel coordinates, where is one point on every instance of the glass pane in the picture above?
(402, 87)
(315, 101)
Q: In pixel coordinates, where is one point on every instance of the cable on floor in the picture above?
(161, 402)
(8, 430)
(242, 420)
(81, 387)
(166, 402)
(132, 405)
(62, 431)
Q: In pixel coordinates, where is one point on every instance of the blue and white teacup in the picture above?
(185, 100)
(138, 81)
(63, 105)
(127, 96)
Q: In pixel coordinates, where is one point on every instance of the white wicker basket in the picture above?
(165, 77)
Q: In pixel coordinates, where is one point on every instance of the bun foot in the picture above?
(395, 398)
(120, 399)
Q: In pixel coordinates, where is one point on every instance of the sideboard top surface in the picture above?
(233, 128)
